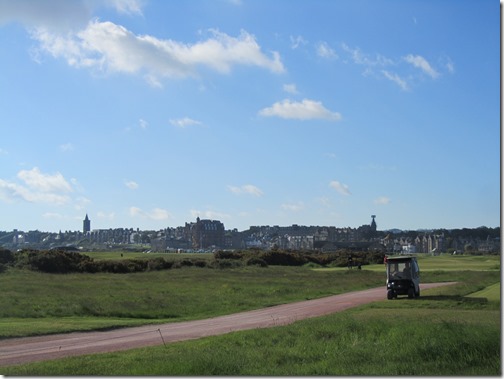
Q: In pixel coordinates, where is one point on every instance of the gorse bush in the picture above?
(62, 261)
(6, 256)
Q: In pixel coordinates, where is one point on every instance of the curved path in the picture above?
(31, 349)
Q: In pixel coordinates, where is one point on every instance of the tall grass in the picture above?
(350, 343)
(36, 303)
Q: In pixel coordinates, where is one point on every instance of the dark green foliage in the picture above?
(224, 254)
(51, 261)
(6, 256)
(159, 263)
(283, 258)
(254, 261)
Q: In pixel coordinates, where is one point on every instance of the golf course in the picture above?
(449, 330)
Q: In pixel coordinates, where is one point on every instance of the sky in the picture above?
(149, 113)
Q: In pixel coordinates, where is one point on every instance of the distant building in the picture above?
(205, 233)
(86, 228)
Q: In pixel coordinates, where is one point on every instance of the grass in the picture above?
(360, 341)
(452, 330)
(33, 301)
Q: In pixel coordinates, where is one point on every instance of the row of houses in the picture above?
(211, 234)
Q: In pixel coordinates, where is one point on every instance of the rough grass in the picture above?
(356, 342)
(451, 330)
(33, 301)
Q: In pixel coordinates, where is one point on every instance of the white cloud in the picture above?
(44, 182)
(382, 200)
(297, 41)
(293, 207)
(109, 47)
(66, 147)
(209, 214)
(131, 185)
(421, 63)
(340, 187)
(290, 88)
(361, 58)
(106, 216)
(396, 79)
(130, 7)
(246, 189)
(53, 215)
(304, 110)
(325, 51)
(37, 187)
(183, 122)
(62, 15)
(143, 124)
(156, 214)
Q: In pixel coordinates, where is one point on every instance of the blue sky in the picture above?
(151, 113)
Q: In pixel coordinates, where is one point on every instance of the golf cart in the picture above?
(403, 277)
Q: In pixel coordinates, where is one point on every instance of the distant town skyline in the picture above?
(149, 114)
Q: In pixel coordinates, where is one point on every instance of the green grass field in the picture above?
(452, 330)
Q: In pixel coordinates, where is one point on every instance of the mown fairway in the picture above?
(448, 331)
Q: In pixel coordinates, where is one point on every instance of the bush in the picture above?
(254, 261)
(157, 264)
(6, 256)
(283, 258)
(222, 254)
(51, 261)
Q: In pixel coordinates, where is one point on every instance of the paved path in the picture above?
(30, 349)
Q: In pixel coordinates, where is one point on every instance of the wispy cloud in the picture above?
(304, 110)
(361, 58)
(290, 88)
(209, 214)
(293, 207)
(105, 215)
(184, 122)
(156, 214)
(297, 41)
(129, 7)
(421, 63)
(396, 79)
(382, 200)
(143, 124)
(66, 147)
(340, 187)
(131, 185)
(325, 51)
(248, 189)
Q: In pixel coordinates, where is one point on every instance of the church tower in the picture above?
(86, 225)
(373, 224)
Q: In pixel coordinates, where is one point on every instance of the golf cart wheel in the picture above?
(390, 294)
(411, 293)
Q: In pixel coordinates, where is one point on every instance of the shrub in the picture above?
(222, 254)
(6, 256)
(157, 264)
(283, 258)
(254, 261)
(51, 261)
